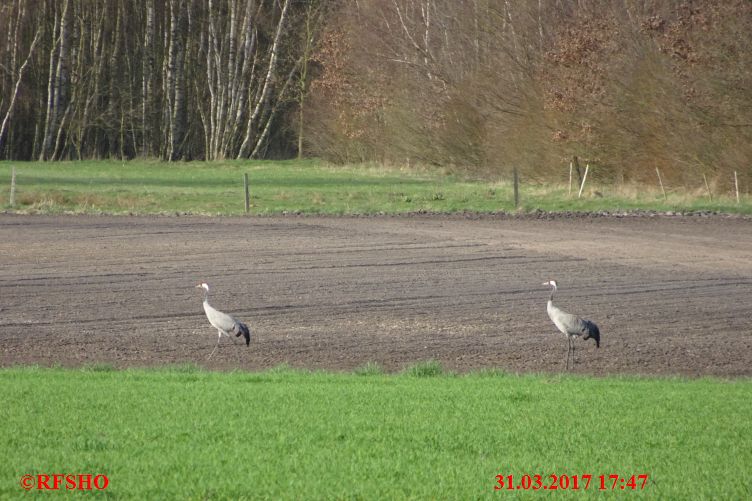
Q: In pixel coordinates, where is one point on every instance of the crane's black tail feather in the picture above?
(243, 329)
(592, 331)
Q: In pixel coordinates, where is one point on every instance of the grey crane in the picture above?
(570, 325)
(224, 323)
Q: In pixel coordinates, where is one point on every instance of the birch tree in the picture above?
(17, 73)
(148, 61)
(260, 113)
(58, 78)
(178, 79)
(175, 84)
(232, 57)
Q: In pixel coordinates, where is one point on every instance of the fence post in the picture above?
(516, 189)
(584, 178)
(660, 181)
(247, 193)
(569, 194)
(13, 187)
(707, 187)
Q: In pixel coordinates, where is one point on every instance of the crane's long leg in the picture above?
(219, 337)
(574, 358)
(212, 353)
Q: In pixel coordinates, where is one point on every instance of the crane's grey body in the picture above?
(224, 323)
(570, 325)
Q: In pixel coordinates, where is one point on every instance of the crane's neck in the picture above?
(551, 299)
(206, 296)
(552, 310)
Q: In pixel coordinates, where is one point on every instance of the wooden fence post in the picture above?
(660, 181)
(584, 178)
(516, 189)
(736, 185)
(13, 187)
(707, 187)
(247, 193)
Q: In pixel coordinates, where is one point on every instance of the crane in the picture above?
(570, 325)
(224, 323)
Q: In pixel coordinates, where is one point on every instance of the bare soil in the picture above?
(672, 295)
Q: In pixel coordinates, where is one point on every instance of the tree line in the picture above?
(487, 85)
(479, 85)
(179, 79)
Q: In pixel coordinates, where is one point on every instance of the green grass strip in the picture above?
(310, 187)
(183, 433)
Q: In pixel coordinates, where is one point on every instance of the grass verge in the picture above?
(151, 187)
(183, 433)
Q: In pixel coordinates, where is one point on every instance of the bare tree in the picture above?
(178, 79)
(18, 73)
(148, 61)
(260, 114)
(232, 55)
(310, 29)
(175, 83)
(58, 78)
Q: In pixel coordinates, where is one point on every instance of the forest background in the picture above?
(477, 86)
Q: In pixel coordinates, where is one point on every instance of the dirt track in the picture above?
(671, 295)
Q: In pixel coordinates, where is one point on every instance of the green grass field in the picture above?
(183, 433)
(150, 187)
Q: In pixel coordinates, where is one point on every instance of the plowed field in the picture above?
(672, 295)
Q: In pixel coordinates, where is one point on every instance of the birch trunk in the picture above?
(175, 81)
(252, 123)
(49, 116)
(114, 93)
(62, 84)
(229, 59)
(14, 95)
(147, 80)
(272, 112)
(241, 76)
(94, 87)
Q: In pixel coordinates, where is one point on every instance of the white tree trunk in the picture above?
(14, 96)
(252, 124)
